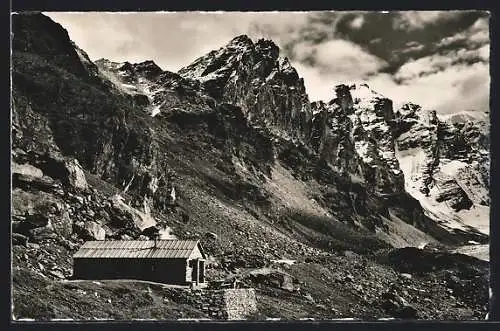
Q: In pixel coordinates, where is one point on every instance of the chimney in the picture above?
(156, 236)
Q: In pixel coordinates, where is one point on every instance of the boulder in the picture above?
(57, 274)
(397, 306)
(407, 312)
(38, 234)
(62, 224)
(273, 278)
(37, 220)
(89, 230)
(349, 278)
(33, 246)
(211, 235)
(76, 176)
(31, 182)
(95, 230)
(25, 225)
(19, 239)
(26, 169)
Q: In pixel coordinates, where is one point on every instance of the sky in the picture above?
(438, 59)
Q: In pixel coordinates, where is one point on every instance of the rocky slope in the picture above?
(230, 151)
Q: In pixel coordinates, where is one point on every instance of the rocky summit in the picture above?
(344, 208)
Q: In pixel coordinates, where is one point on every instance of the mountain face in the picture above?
(358, 132)
(230, 151)
(253, 77)
(358, 138)
(444, 164)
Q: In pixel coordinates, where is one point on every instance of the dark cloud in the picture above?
(397, 46)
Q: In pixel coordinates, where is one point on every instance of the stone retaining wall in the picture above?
(227, 304)
(240, 303)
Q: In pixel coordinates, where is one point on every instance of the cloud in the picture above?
(437, 63)
(171, 39)
(456, 88)
(476, 34)
(409, 50)
(415, 20)
(332, 62)
(318, 85)
(358, 22)
(451, 89)
(461, 87)
(338, 57)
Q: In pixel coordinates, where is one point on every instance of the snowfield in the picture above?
(411, 162)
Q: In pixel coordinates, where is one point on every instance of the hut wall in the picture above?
(171, 271)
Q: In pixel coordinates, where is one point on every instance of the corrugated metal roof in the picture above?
(146, 249)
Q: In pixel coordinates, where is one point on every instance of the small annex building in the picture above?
(177, 262)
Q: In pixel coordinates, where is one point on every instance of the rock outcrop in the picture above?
(354, 134)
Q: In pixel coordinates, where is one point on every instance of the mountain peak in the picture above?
(242, 39)
(267, 48)
(148, 68)
(465, 116)
(147, 63)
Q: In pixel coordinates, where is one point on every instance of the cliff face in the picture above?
(358, 133)
(357, 137)
(68, 118)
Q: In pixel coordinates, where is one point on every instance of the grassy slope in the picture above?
(43, 299)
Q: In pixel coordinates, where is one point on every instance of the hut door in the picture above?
(202, 271)
(194, 274)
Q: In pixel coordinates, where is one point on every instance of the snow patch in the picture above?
(155, 111)
(422, 245)
(363, 92)
(452, 168)
(284, 261)
(481, 252)
(362, 148)
(464, 116)
(411, 162)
